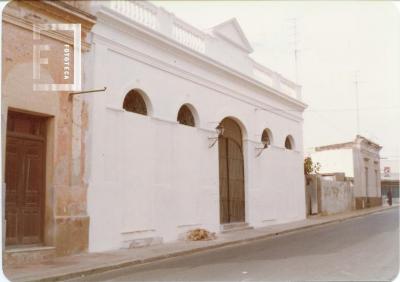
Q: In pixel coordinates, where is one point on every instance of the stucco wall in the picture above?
(336, 196)
(358, 159)
(367, 183)
(66, 221)
(152, 177)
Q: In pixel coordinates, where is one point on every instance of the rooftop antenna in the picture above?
(296, 49)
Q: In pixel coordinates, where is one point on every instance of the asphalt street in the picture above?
(365, 248)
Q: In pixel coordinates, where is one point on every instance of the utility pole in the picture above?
(356, 83)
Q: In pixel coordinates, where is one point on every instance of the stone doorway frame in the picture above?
(48, 226)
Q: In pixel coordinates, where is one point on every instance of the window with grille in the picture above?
(135, 103)
(266, 138)
(185, 116)
(288, 143)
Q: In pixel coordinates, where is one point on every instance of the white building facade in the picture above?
(359, 160)
(176, 141)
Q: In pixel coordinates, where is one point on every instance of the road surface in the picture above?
(365, 248)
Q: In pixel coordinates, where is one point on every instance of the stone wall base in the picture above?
(72, 235)
(21, 255)
(367, 202)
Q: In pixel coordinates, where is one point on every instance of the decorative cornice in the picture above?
(347, 145)
(59, 36)
(123, 50)
(366, 142)
(26, 14)
(85, 17)
(111, 18)
(234, 23)
(64, 12)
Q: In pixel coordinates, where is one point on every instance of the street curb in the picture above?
(122, 264)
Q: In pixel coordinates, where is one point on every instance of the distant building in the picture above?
(358, 159)
(390, 183)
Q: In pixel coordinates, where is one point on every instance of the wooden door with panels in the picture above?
(25, 178)
(231, 173)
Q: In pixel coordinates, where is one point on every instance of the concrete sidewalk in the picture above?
(84, 264)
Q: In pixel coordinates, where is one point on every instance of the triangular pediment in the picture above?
(232, 32)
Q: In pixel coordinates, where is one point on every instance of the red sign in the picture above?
(386, 171)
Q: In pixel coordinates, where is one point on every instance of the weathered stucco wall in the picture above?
(367, 178)
(358, 159)
(336, 196)
(329, 196)
(66, 220)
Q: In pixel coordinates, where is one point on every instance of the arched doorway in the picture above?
(231, 173)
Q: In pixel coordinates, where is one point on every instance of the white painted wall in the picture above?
(353, 161)
(366, 157)
(152, 177)
(336, 196)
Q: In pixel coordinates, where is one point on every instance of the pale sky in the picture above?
(335, 39)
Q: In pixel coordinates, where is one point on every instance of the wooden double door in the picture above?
(231, 173)
(25, 179)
